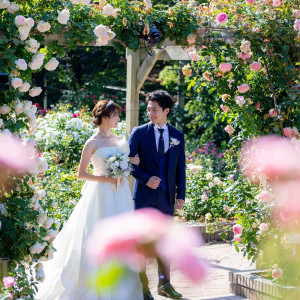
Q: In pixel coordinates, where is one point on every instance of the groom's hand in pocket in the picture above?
(153, 182)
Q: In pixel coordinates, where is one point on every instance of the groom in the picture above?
(160, 176)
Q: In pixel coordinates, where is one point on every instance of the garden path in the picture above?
(223, 258)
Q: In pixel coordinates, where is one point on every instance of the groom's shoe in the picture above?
(147, 295)
(167, 290)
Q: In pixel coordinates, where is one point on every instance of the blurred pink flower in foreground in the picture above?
(277, 158)
(13, 154)
(273, 156)
(135, 236)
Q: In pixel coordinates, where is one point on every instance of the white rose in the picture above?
(4, 109)
(40, 275)
(36, 62)
(52, 64)
(35, 91)
(102, 41)
(34, 170)
(43, 26)
(42, 164)
(101, 31)
(204, 197)
(52, 233)
(24, 87)
(148, 3)
(75, 2)
(21, 64)
(13, 8)
(30, 112)
(19, 20)
(29, 22)
(36, 248)
(63, 16)
(32, 45)
(40, 194)
(42, 218)
(16, 83)
(48, 223)
(211, 184)
(123, 165)
(19, 108)
(111, 34)
(3, 209)
(116, 12)
(85, 2)
(245, 47)
(1, 123)
(209, 176)
(108, 10)
(27, 104)
(24, 30)
(4, 4)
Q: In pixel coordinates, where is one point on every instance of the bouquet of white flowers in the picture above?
(118, 166)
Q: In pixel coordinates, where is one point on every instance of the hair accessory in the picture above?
(110, 102)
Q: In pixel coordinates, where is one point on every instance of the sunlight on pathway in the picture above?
(222, 258)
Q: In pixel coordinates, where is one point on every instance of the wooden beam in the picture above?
(146, 67)
(169, 53)
(132, 95)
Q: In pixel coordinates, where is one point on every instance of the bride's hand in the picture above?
(134, 160)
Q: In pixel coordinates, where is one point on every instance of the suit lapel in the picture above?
(153, 143)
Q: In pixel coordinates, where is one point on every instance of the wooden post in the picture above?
(3, 267)
(132, 94)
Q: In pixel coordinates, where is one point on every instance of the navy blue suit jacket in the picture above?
(142, 142)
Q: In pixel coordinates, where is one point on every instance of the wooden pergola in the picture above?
(139, 65)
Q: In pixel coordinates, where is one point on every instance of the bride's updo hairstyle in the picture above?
(104, 108)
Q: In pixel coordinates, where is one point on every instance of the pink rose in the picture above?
(222, 18)
(238, 238)
(237, 229)
(94, 96)
(225, 67)
(87, 96)
(207, 76)
(191, 38)
(297, 25)
(265, 196)
(74, 116)
(255, 66)
(224, 97)
(240, 100)
(95, 101)
(193, 55)
(243, 88)
(296, 13)
(277, 2)
(287, 131)
(250, 1)
(225, 108)
(263, 227)
(257, 105)
(19, 20)
(272, 113)
(276, 273)
(186, 70)
(8, 282)
(229, 129)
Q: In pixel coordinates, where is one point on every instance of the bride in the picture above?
(102, 197)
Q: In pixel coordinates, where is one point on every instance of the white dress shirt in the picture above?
(165, 135)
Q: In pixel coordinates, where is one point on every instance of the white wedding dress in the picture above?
(66, 273)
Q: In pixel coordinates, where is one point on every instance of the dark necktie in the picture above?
(161, 143)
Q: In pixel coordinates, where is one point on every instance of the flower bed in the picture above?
(253, 286)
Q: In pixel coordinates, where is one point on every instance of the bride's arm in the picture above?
(84, 164)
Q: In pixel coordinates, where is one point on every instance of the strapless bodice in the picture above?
(100, 155)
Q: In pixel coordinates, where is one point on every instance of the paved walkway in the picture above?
(222, 258)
